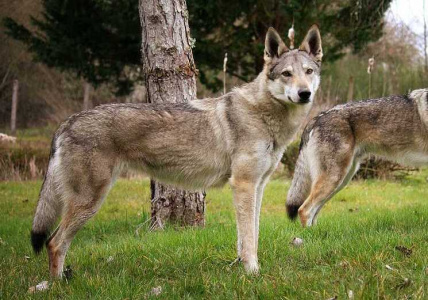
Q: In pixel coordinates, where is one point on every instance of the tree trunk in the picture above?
(14, 107)
(170, 76)
(86, 96)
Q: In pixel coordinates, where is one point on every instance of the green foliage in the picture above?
(239, 28)
(95, 39)
(356, 236)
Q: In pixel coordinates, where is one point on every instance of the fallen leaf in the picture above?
(333, 298)
(406, 251)
(26, 257)
(68, 272)
(389, 267)
(405, 283)
(237, 260)
(42, 286)
(344, 264)
(350, 294)
(110, 259)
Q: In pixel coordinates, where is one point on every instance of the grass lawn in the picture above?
(355, 239)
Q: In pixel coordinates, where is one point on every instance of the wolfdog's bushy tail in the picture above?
(48, 207)
(300, 186)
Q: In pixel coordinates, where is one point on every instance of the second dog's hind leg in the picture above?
(354, 168)
(326, 184)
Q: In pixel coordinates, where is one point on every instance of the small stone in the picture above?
(156, 291)
(297, 242)
(350, 294)
(42, 286)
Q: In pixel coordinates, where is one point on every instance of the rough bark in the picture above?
(170, 76)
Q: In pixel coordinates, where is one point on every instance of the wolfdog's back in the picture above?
(382, 126)
(168, 141)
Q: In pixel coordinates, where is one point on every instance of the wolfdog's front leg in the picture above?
(245, 204)
(259, 199)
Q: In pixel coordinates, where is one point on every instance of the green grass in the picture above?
(355, 238)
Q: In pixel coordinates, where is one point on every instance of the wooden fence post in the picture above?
(350, 89)
(86, 96)
(14, 107)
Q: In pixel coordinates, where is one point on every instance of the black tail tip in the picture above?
(38, 240)
(292, 210)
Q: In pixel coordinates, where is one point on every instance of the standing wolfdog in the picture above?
(239, 137)
(334, 143)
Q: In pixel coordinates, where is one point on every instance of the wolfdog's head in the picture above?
(293, 76)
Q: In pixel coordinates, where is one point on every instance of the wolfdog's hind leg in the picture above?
(82, 197)
(326, 184)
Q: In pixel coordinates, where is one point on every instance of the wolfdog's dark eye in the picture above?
(309, 71)
(286, 74)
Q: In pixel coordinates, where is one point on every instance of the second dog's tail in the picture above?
(300, 186)
(48, 207)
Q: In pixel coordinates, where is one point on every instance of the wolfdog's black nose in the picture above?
(304, 95)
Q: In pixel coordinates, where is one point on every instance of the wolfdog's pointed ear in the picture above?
(312, 43)
(274, 46)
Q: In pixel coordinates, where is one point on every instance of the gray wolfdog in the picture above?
(334, 143)
(238, 137)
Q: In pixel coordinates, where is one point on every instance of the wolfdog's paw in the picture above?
(251, 267)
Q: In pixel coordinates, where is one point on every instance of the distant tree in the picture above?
(97, 40)
(238, 28)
